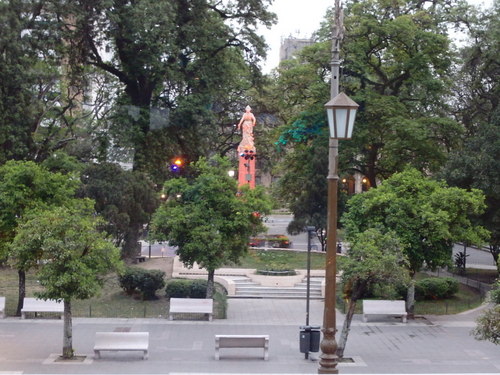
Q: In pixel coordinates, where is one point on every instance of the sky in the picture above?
(300, 19)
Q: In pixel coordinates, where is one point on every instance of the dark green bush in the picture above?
(178, 289)
(152, 280)
(186, 288)
(130, 279)
(436, 288)
(147, 282)
(198, 289)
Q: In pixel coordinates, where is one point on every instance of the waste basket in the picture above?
(315, 338)
(309, 339)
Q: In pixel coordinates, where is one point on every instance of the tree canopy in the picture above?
(125, 199)
(427, 216)
(206, 219)
(73, 252)
(374, 259)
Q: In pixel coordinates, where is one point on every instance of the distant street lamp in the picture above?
(341, 111)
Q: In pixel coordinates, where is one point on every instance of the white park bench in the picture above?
(191, 306)
(34, 305)
(384, 307)
(242, 341)
(2, 307)
(121, 341)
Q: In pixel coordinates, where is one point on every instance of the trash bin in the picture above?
(309, 339)
(315, 338)
(305, 339)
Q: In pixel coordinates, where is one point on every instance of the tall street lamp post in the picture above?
(341, 111)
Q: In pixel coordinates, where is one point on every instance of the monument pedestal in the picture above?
(246, 172)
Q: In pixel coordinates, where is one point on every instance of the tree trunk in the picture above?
(22, 291)
(210, 284)
(346, 328)
(410, 298)
(67, 331)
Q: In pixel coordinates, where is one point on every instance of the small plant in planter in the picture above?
(276, 264)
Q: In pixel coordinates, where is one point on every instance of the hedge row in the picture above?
(186, 289)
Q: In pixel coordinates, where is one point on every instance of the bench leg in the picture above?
(97, 353)
(209, 317)
(365, 318)
(403, 318)
(217, 356)
(170, 317)
(145, 355)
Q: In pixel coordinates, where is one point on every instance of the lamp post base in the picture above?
(328, 359)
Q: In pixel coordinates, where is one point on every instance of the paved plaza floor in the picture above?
(427, 345)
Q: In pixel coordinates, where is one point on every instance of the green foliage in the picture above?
(495, 293)
(130, 279)
(198, 289)
(179, 67)
(25, 186)
(146, 282)
(373, 258)
(274, 261)
(186, 288)
(477, 166)
(151, 281)
(73, 253)
(208, 222)
(436, 288)
(178, 289)
(425, 215)
(126, 199)
(488, 326)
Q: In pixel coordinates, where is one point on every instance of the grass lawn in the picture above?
(260, 259)
(112, 301)
(483, 275)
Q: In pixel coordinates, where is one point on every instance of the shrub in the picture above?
(151, 281)
(130, 279)
(436, 288)
(147, 282)
(178, 289)
(198, 289)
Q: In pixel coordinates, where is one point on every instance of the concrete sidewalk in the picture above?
(422, 346)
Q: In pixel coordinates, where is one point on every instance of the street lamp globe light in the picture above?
(341, 112)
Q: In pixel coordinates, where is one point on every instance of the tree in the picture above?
(25, 186)
(206, 219)
(373, 259)
(176, 61)
(36, 116)
(488, 323)
(427, 216)
(74, 255)
(475, 164)
(303, 185)
(125, 199)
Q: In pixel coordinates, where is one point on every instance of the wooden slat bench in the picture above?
(2, 307)
(191, 306)
(384, 307)
(121, 341)
(34, 305)
(242, 341)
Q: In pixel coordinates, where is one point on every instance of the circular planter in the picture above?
(276, 273)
